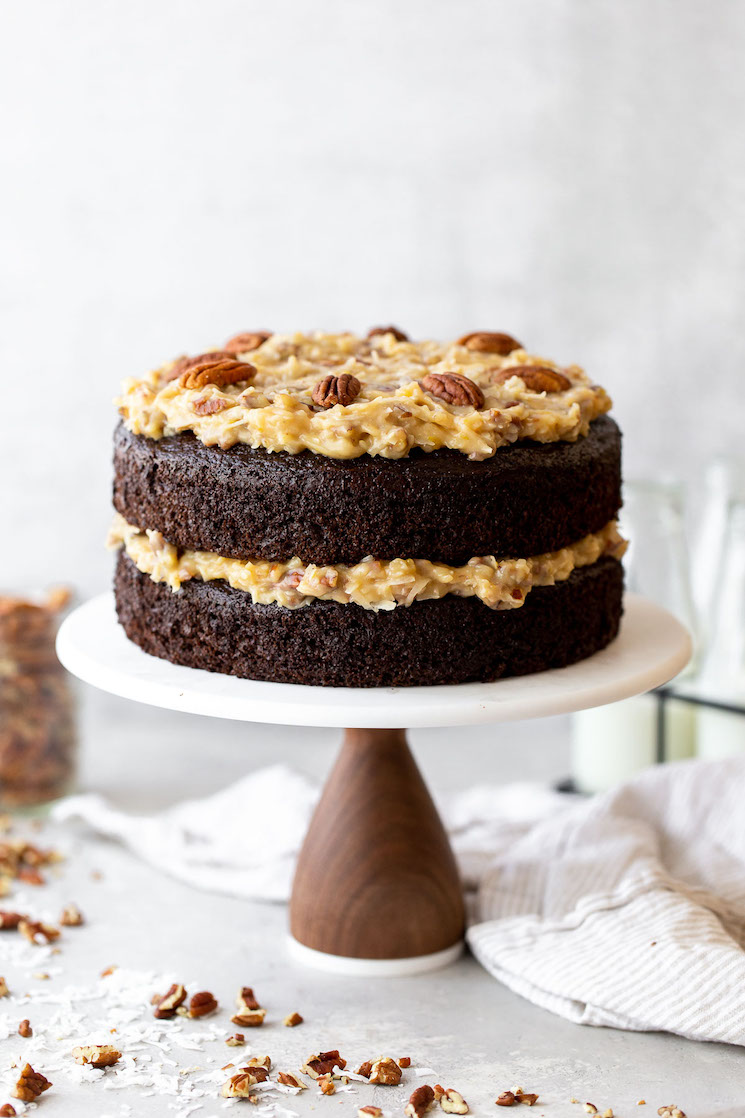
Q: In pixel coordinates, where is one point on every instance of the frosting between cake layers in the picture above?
(392, 413)
(374, 584)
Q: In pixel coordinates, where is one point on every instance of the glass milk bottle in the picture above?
(722, 733)
(611, 743)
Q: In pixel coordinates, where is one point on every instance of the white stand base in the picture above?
(372, 968)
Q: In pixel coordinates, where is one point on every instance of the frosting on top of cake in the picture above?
(374, 584)
(341, 395)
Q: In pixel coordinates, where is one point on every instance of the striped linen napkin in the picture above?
(624, 910)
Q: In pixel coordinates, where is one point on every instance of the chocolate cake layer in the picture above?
(529, 498)
(449, 640)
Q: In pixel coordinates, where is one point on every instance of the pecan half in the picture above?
(202, 1003)
(333, 390)
(97, 1055)
(453, 388)
(419, 1101)
(385, 1071)
(485, 341)
(245, 343)
(397, 334)
(170, 1002)
(220, 372)
(288, 1080)
(185, 363)
(538, 378)
(30, 1084)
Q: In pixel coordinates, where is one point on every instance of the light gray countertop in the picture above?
(472, 1032)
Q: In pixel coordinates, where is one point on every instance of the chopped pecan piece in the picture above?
(245, 343)
(670, 1111)
(385, 1071)
(452, 1102)
(255, 1073)
(37, 932)
(454, 389)
(485, 341)
(185, 363)
(419, 1101)
(30, 1084)
(202, 1003)
(7, 1111)
(365, 1069)
(369, 1112)
(71, 916)
(10, 920)
(288, 1080)
(236, 1040)
(324, 1063)
(404, 1062)
(507, 1098)
(30, 876)
(538, 378)
(529, 1098)
(170, 1002)
(4, 991)
(326, 1083)
(238, 1086)
(250, 1014)
(292, 1020)
(210, 406)
(259, 1062)
(333, 390)
(221, 372)
(24, 1029)
(97, 1055)
(397, 334)
(110, 970)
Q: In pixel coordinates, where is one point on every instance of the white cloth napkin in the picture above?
(625, 910)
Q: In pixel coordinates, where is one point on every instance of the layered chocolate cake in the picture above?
(346, 511)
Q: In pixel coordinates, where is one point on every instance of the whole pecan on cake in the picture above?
(397, 334)
(538, 378)
(185, 363)
(485, 341)
(333, 390)
(453, 388)
(220, 372)
(246, 342)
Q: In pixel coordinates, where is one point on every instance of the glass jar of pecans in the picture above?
(38, 739)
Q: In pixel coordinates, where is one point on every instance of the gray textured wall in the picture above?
(567, 170)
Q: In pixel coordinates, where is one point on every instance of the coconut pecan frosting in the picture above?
(341, 395)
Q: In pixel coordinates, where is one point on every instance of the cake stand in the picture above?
(376, 889)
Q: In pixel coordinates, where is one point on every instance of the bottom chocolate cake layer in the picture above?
(447, 640)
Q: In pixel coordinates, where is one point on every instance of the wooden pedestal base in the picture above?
(376, 878)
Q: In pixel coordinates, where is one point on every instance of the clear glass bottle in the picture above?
(722, 733)
(611, 743)
(38, 738)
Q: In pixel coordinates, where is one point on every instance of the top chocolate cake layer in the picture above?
(529, 498)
